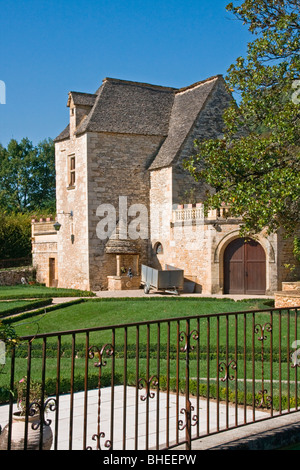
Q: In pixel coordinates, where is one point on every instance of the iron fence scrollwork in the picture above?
(265, 400)
(143, 383)
(41, 409)
(223, 366)
(190, 420)
(106, 350)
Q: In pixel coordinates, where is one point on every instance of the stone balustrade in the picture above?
(189, 212)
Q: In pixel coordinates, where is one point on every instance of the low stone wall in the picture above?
(291, 286)
(289, 296)
(123, 282)
(11, 277)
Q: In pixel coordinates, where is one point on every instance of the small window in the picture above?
(158, 248)
(72, 171)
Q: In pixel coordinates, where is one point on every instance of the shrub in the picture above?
(15, 235)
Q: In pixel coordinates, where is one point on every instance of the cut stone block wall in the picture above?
(117, 167)
(44, 248)
(11, 277)
(72, 238)
(287, 299)
(289, 296)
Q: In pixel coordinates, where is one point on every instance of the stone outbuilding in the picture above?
(124, 198)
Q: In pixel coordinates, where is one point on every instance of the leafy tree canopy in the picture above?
(27, 176)
(15, 235)
(255, 167)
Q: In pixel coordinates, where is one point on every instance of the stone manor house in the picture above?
(122, 153)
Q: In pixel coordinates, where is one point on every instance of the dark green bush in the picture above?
(15, 235)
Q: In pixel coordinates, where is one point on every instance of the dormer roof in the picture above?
(81, 99)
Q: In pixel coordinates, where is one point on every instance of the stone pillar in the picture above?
(118, 265)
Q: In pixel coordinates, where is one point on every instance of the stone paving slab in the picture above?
(278, 433)
(130, 405)
(140, 293)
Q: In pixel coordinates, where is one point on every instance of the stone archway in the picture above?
(244, 267)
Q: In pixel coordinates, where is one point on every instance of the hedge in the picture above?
(24, 308)
(79, 382)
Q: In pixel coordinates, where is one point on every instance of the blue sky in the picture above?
(49, 48)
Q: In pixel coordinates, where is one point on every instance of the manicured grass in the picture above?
(4, 306)
(104, 312)
(37, 291)
(10, 308)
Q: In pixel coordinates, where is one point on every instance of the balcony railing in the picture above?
(155, 384)
(195, 212)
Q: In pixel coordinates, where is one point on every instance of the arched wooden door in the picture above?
(244, 267)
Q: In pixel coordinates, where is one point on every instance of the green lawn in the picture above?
(21, 291)
(8, 305)
(105, 312)
(9, 309)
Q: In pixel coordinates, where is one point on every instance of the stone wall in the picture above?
(209, 125)
(117, 167)
(286, 299)
(123, 282)
(72, 238)
(291, 286)
(289, 268)
(289, 296)
(11, 277)
(44, 248)
(197, 245)
(189, 244)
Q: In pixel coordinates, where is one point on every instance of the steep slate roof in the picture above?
(187, 105)
(65, 134)
(130, 108)
(125, 107)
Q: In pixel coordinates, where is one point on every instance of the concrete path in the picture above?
(130, 425)
(140, 293)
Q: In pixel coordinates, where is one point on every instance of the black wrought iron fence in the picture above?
(150, 385)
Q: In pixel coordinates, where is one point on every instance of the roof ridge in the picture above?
(201, 82)
(82, 93)
(141, 84)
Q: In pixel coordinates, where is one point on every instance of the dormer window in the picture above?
(72, 171)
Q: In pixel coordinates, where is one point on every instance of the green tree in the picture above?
(15, 235)
(255, 167)
(27, 176)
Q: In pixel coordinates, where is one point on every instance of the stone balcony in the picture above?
(194, 213)
(43, 226)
